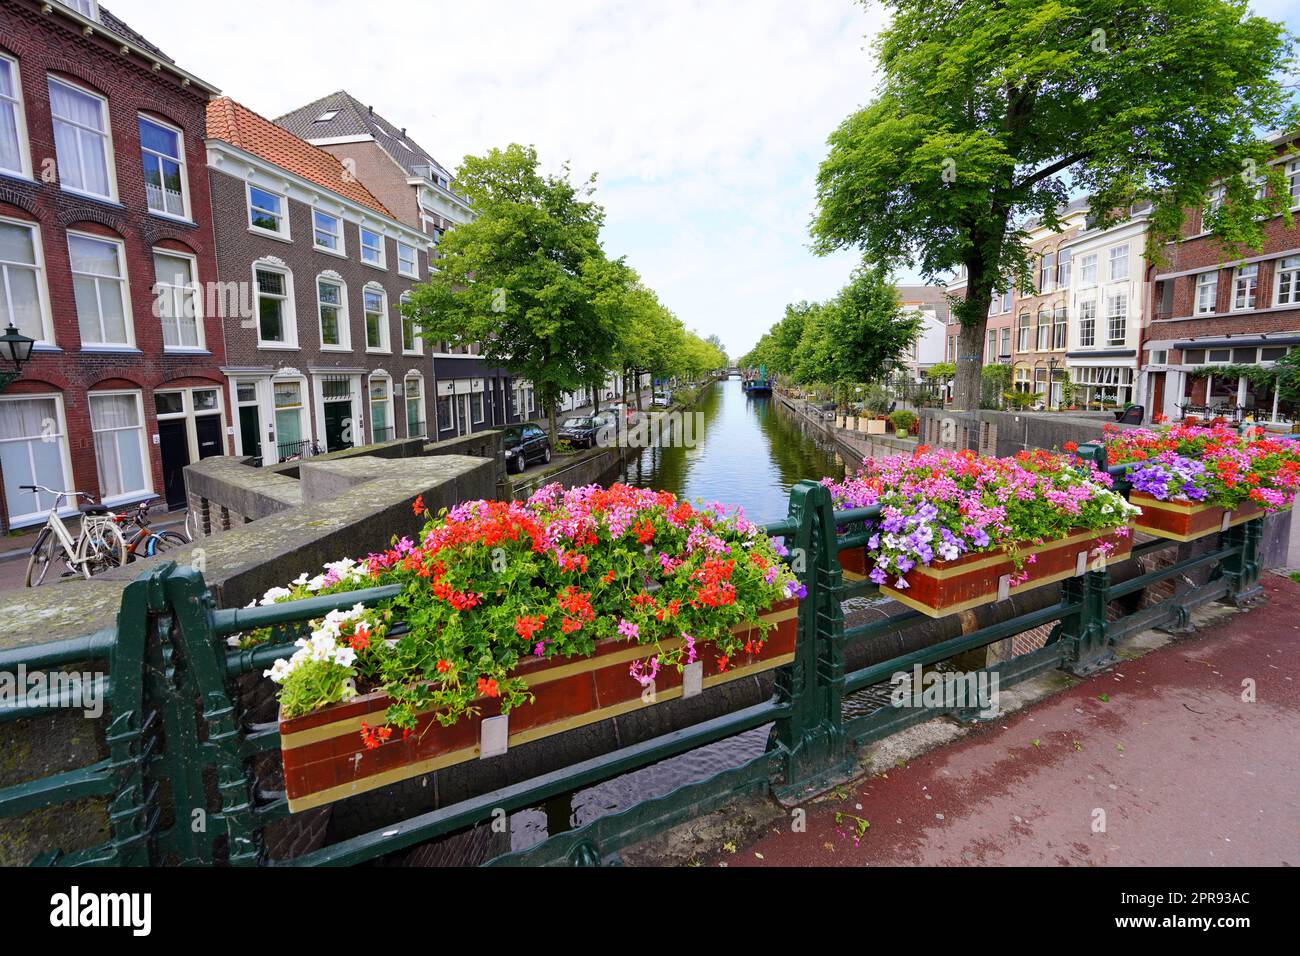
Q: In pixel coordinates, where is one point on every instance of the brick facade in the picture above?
(55, 44)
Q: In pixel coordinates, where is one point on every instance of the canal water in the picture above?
(746, 452)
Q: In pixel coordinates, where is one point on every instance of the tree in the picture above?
(994, 113)
(527, 278)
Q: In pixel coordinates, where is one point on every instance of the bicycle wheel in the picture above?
(100, 547)
(45, 554)
(162, 541)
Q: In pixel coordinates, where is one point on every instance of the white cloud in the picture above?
(705, 120)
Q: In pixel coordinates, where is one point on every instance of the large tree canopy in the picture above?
(992, 113)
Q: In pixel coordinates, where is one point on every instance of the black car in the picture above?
(524, 445)
(580, 431)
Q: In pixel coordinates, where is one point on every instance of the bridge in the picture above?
(184, 740)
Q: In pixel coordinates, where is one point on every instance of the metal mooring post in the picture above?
(811, 739)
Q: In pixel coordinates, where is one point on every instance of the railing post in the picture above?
(1084, 632)
(1242, 568)
(811, 740)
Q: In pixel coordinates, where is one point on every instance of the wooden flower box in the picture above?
(983, 577)
(1188, 520)
(325, 759)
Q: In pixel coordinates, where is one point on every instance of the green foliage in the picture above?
(941, 371)
(1022, 400)
(992, 114)
(903, 419)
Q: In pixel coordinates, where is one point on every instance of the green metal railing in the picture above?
(180, 783)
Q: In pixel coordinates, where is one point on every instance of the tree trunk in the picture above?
(970, 365)
(636, 387)
(550, 418)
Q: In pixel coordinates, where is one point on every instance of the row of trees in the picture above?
(857, 337)
(529, 280)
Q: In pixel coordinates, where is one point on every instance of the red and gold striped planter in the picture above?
(982, 577)
(325, 759)
(1188, 520)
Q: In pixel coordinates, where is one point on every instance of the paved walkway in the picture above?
(1186, 772)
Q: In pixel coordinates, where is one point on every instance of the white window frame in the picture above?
(382, 263)
(305, 417)
(1213, 201)
(1293, 272)
(1112, 314)
(186, 214)
(404, 298)
(107, 133)
(20, 120)
(1024, 331)
(46, 338)
(1293, 182)
(1245, 287)
(1087, 323)
(414, 271)
(133, 494)
(195, 299)
(341, 249)
(406, 406)
(385, 343)
(1201, 287)
(345, 329)
(290, 315)
(123, 285)
(283, 233)
(371, 403)
(65, 457)
(1115, 259)
(87, 8)
(1089, 264)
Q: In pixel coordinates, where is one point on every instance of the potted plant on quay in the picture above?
(902, 420)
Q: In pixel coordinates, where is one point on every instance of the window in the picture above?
(1293, 181)
(13, 125)
(289, 431)
(1088, 269)
(1213, 201)
(326, 116)
(1159, 356)
(266, 212)
(408, 263)
(410, 341)
(87, 8)
(99, 290)
(1023, 333)
(376, 309)
(1005, 346)
(177, 297)
(1244, 287)
(1087, 323)
(991, 351)
(331, 300)
(413, 389)
(327, 231)
(444, 413)
(476, 407)
(1046, 271)
(1059, 328)
(163, 155)
(116, 420)
(22, 297)
(1044, 329)
(1119, 262)
(81, 139)
(1063, 268)
(1117, 318)
(381, 414)
(33, 451)
(1207, 292)
(1006, 302)
(275, 324)
(1287, 282)
(372, 248)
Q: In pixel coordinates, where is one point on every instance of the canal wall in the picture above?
(852, 444)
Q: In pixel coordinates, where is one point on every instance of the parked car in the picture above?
(580, 431)
(662, 399)
(524, 445)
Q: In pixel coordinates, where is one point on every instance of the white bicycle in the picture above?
(98, 546)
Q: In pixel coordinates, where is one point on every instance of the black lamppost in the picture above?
(15, 349)
(1051, 379)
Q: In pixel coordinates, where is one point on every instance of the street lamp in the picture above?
(1051, 379)
(15, 348)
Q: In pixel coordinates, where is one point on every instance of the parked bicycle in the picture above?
(145, 542)
(98, 546)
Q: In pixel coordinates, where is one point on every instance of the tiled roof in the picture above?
(111, 21)
(353, 118)
(238, 125)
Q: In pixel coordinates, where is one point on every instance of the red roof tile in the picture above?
(236, 124)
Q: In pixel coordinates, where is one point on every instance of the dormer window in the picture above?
(326, 116)
(87, 8)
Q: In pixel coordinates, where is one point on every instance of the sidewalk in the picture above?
(1186, 773)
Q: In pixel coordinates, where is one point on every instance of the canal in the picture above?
(746, 452)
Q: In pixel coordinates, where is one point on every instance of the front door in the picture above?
(463, 426)
(250, 430)
(338, 425)
(1157, 394)
(174, 446)
(207, 429)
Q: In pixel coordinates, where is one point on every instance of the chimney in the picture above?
(371, 109)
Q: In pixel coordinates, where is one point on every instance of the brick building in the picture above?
(1214, 312)
(314, 269)
(471, 396)
(105, 243)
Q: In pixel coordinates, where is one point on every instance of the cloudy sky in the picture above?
(704, 120)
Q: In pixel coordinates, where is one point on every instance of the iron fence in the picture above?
(179, 746)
